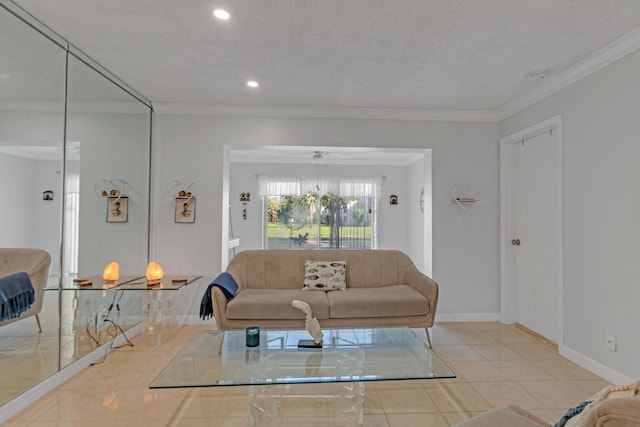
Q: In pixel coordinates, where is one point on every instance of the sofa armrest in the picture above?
(426, 286)
(613, 412)
(219, 301)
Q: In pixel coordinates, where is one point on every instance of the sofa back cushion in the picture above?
(284, 269)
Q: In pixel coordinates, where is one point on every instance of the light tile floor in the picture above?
(496, 365)
(28, 356)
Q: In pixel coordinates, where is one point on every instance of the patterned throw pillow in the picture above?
(325, 275)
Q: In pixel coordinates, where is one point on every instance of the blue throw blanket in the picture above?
(572, 412)
(16, 295)
(227, 285)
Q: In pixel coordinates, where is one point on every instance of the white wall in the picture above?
(415, 217)
(46, 216)
(601, 161)
(465, 257)
(111, 146)
(17, 183)
(27, 221)
(393, 233)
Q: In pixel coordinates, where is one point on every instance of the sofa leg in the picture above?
(39, 325)
(428, 336)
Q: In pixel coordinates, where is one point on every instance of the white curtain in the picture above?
(279, 186)
(322, 185)
(299, 186)
(360, 187)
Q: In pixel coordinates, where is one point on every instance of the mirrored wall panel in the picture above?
(106, 207)
(75, 176)
(32, 93)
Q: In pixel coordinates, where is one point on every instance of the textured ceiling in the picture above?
(404, 54)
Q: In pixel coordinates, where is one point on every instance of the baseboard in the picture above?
(195, 320)
(537, 336)
(21, 402)
(597, 368)
(467, 317)
(447, 317)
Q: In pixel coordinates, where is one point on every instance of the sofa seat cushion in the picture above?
(276, 304)
(385, 301)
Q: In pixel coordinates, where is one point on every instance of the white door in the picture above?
(535, 236)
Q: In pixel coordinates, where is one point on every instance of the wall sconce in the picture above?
(465, 196)
(393, 199)
(154, 274)
(112, 187)
(179, 189)
(111, 272)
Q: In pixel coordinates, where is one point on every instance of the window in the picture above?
(312, 213)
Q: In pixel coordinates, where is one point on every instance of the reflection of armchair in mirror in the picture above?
(36, 263)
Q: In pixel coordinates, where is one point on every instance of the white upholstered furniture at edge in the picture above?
(384, 289)
(36, 263)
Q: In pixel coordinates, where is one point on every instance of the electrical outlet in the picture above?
(611, 341)
(99, 323)
(459, 220)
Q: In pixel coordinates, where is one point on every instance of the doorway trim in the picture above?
(507, 270)
(426, 182)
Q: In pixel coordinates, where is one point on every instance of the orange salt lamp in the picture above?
(111, 272)
(154, 273)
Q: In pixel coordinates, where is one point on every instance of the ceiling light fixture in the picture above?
(221, 14)
(538, 75)
(252, 83)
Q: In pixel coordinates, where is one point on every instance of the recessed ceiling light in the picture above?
(538, 75)
(221, 14)
(252, 83)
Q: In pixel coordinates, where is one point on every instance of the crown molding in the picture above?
(118, 107)
(592, 63)
(325, 112)
(32, 106)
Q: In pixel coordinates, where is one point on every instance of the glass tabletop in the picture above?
(92, 283)
(168, 283)
(217, 358)
(126, 283)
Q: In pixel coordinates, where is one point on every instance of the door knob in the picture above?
(515, 242)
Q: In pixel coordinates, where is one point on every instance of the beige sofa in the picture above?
(36, 263)
(384, 288)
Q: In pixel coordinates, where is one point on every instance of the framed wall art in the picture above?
(185, 210)
(117, 209)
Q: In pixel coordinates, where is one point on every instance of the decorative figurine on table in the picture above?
(311, 324)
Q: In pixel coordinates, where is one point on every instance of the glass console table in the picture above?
(91, 317)
(158, 308)
(97, 283)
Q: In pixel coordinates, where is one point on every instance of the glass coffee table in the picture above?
(347, 359)
(221, 358)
